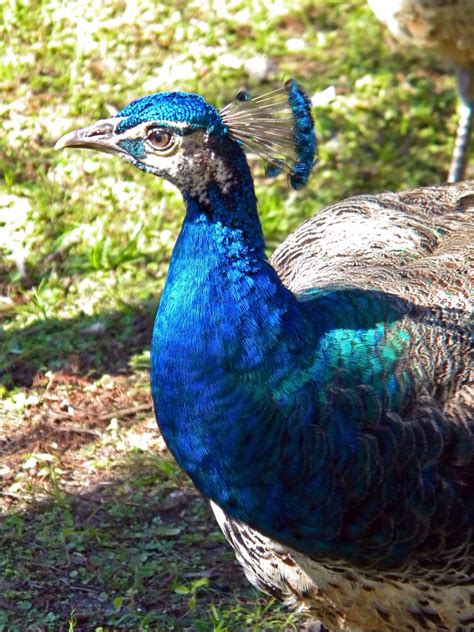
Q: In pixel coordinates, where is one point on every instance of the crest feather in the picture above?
(277, 126)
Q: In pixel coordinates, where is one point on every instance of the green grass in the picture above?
(99, 529)
(140, 553)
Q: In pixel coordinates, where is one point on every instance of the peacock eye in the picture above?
(161, 139)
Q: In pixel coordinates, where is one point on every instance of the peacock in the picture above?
(446, 28)
(322, 401)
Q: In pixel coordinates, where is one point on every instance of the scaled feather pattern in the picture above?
(322, 400)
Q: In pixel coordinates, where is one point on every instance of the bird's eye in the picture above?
(160, 139)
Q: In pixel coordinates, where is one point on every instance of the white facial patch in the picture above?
(190, 164)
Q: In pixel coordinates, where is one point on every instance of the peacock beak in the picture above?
(100, 136)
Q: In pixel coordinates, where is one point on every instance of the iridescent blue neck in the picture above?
(220, 334)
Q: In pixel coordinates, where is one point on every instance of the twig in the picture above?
(84, 589)
(77, 429)
(124, 412)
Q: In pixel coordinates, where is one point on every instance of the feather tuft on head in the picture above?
(277, 126)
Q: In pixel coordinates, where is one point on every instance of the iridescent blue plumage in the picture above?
(171, 108)
(316, 412)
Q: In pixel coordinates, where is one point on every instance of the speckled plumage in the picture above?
(445, 28)
(322, 403)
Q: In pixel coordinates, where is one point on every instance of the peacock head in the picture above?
(181, 137)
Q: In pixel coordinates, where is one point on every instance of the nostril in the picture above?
(103, 130)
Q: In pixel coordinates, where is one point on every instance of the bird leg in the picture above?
(457, 170)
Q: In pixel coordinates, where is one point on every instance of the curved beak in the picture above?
(100, 136)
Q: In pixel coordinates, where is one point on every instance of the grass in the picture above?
(99, 529)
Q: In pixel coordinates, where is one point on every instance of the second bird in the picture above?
(445, 28)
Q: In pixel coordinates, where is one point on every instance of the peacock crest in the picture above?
(277, 126)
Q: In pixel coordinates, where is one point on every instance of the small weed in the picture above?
(191, 590)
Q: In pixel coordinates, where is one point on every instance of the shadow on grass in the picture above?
(139, 551)
(88, 345)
